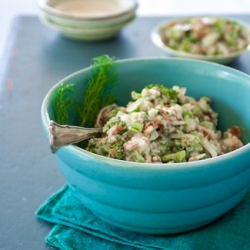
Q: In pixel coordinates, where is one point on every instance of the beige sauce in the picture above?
(88, 8)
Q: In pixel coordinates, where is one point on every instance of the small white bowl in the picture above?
(90, 27)
(156, 37)
(86, 9)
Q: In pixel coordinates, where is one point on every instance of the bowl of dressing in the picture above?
(87, 20)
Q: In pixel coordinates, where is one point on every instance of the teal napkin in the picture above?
(77, 228)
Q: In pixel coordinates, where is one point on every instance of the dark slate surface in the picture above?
(35, 58)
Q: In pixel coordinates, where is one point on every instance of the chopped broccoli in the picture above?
(175, 157)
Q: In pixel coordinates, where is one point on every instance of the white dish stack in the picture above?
(87, 20)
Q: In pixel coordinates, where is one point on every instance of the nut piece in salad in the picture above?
(211, 36)
(164, 125)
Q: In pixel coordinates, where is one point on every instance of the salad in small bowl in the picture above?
(214, 39)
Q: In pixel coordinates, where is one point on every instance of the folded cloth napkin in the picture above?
(77, 228)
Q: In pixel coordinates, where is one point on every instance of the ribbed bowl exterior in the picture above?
(156, 202)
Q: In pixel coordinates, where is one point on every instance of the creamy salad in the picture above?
(206, 36)
(163, 125)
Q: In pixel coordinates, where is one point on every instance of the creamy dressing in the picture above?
(88, 8)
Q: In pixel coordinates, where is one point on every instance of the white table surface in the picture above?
(11, 8)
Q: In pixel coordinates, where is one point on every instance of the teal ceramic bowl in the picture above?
(163, 198)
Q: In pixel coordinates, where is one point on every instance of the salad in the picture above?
(206, 36)
(163, 125)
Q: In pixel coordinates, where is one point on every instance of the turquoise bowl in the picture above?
(163, 198)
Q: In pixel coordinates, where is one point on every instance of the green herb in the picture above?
(97, 94)
(63, 102)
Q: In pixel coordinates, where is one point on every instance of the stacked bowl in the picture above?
(87, 20)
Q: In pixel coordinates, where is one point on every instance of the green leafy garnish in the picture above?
(63, 102)
(97, 95)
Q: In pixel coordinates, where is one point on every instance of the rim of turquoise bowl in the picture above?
(157, 40)
(152, 166)
(44, 5)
